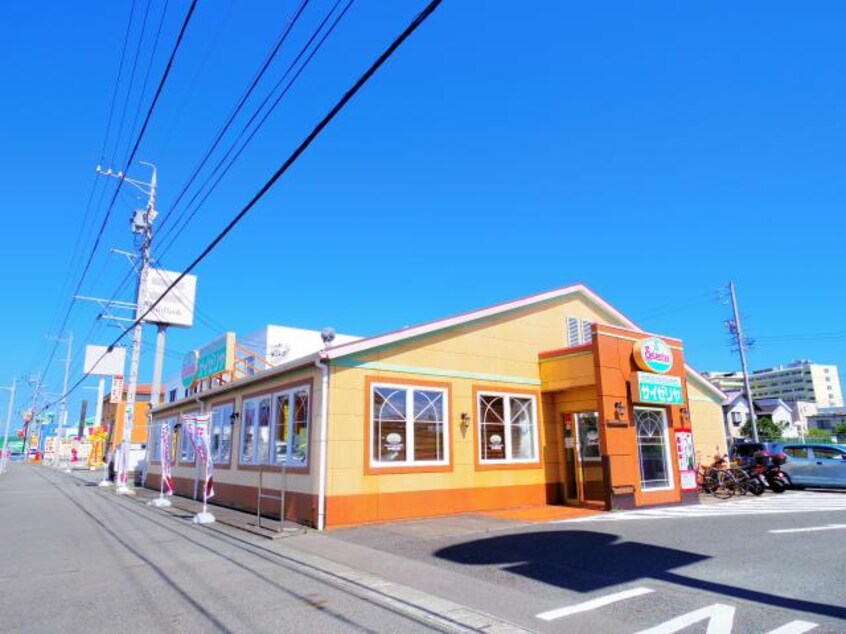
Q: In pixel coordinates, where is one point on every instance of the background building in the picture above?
(796, 381)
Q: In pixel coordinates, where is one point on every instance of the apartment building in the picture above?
(796, 381)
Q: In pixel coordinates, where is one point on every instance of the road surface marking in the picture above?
(719, 615)
(792, 502)
(551, 615)
(810, 529)
(794, 627)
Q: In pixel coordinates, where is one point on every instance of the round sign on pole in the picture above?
(189, 367)
(653, 355)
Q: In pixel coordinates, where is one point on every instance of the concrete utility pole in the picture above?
(5, 457)
(142, 225)
(62, 421)
(741, 346)
(35, 382)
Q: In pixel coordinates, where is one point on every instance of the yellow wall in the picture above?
(495, 354)
(707, 423)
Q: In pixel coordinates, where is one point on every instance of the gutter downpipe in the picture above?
(324, 427)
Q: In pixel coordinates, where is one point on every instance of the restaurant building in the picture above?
(556, 398)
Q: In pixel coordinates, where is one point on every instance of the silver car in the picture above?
(815, 465)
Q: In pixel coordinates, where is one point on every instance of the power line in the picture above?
(149, 66)
(131, 80)
(283, 36)
(123, 175)
(187, 217)
(294, 156)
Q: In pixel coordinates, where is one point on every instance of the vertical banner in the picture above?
(687, 459)
(166, 456)
(197, 429)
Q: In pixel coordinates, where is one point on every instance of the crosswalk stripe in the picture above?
(794, 502)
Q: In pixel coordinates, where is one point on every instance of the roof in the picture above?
(406, 334)
(769, 405)
(579, 290)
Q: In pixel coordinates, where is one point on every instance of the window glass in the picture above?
(299, 433)
(522, 429)
(408, 425)
(220, 434)
(428, 425)
(828, 453)
(263, 431)
(248, 421)
(492, 424)
(588, 424)
(185, 444)
(156, 442)
(652, 448)
(796, 452)
(389, 423)
(282, 425)
(507, 428)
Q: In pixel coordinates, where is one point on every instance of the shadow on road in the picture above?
(584, 561)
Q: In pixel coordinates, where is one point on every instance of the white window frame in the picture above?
(255, 401)
(665, 432)
(270, 459)
(410, 389)
(222, 420)
(507, 396)
(274, 417)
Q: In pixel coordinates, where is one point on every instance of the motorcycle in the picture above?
(767, 468)
(757, 478)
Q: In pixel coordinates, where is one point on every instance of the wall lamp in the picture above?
(465, 423)
(234, 416)
(685, 416)
(619, 410)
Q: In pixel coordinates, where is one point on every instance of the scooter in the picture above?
(776, 478)
(757, 478)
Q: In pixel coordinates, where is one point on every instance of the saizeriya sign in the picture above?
(653, 355)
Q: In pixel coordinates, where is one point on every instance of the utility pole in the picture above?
(6, 450)
(740, 338)
(142, 225)
(35, 382)
(62, 421)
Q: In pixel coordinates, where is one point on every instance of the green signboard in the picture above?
(216, 357)
(659, 389)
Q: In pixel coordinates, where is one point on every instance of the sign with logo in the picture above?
(653, 355)
(117, 389)
(176, 308)
(217, 357)
(657, 388)
(101, 362)
(189, 368)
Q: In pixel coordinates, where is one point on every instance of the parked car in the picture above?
(743, 452)
(815, 465)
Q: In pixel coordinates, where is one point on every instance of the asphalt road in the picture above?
(77, 559)
(650, 572)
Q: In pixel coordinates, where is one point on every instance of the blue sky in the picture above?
(652, 151)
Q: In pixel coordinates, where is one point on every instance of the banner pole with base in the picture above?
(105, 481)
(165, 455)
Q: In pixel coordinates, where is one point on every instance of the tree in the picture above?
(819, 433)
(767, 429)
(840, 430)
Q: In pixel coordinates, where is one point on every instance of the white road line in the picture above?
(801, 502)
(810, 529)
(794, 627)
(599, 602)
